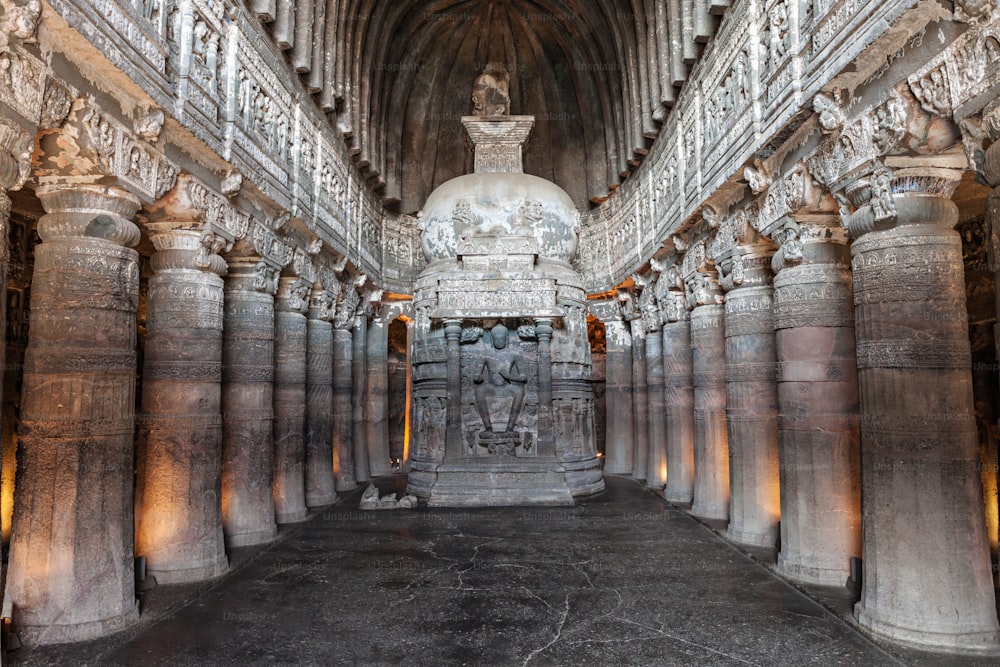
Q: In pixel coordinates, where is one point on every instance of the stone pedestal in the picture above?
(711, 445)
(656, 475)
(343, 418)
(359, 372)
(679, 402)
(320, 489)
(752, 404)
(817, 405)
(179, 512)
(70, 575)
(377, 400)
(920, 476)
(640, 401)
(619, 449)
(290, 341)
(248, 404)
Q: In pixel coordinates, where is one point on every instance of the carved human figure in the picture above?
(497, 375)
(490, 95)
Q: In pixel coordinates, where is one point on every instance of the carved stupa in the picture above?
(503, 401)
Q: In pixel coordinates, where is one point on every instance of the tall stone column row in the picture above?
(620, 446)
(290, 350)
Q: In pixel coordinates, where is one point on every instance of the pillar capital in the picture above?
(321, 304)
(904, 191)
(84, 210)
(293, 295)
(701, 279)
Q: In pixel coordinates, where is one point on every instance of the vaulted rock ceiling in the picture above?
(598, 75)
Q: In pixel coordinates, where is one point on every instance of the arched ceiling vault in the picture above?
(396, 76)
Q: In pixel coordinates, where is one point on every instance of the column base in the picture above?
(977, 642)
(677, 497)
(321, 501)
(191, 574)
(608, 470)
(813, 574)
(44, 635)
(707, 512)
(752, 539)
(344, 488)
(654, 486)
(292, 517)
(252, 539)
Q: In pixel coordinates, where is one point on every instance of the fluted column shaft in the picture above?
(752, 405)
(248, 404)
(656, 475)
(619, 448)
(179, 511)
(359, 371)
(290, 349)
(920, 477)
(71, 574)
(320, 486)
(679, 406)
(640, 401)
(343, 416)
(711, 444)
(818, 417)
(377, 399)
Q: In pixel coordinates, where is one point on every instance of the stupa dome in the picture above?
(500, 205)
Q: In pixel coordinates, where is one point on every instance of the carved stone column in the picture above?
(546, 441)
(920, 477)
(248, 402)
(640, 400)
(453, 413)
(290, 341)
(319, 481)
(377, 401)
(817, 377)
(751, 398)
(656, 461)
(178, 504)
(708, 351)
(678, 390)
(70, 575)
(359, 371)
(343, 390)
(619, 449)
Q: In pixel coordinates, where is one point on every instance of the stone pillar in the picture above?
(453, 413)
(248, 403)
(679, 396)
(319, 481)
(546, 437)
(640, 401)
(377, 400)
(817, 401)
(178, 499)
(752, 399)
(71, 574)
(343, 416)
(927, 577)
(290, 340)
(708, 351)
(619, 456)
(656, 477)
(359, 372)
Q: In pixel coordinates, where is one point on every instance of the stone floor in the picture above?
(621, 579)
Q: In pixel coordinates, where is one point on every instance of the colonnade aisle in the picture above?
(620, 579)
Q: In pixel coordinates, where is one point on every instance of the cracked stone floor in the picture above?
(621, 579)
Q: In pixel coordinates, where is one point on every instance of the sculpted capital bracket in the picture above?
(93, 146)
(15, 156)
